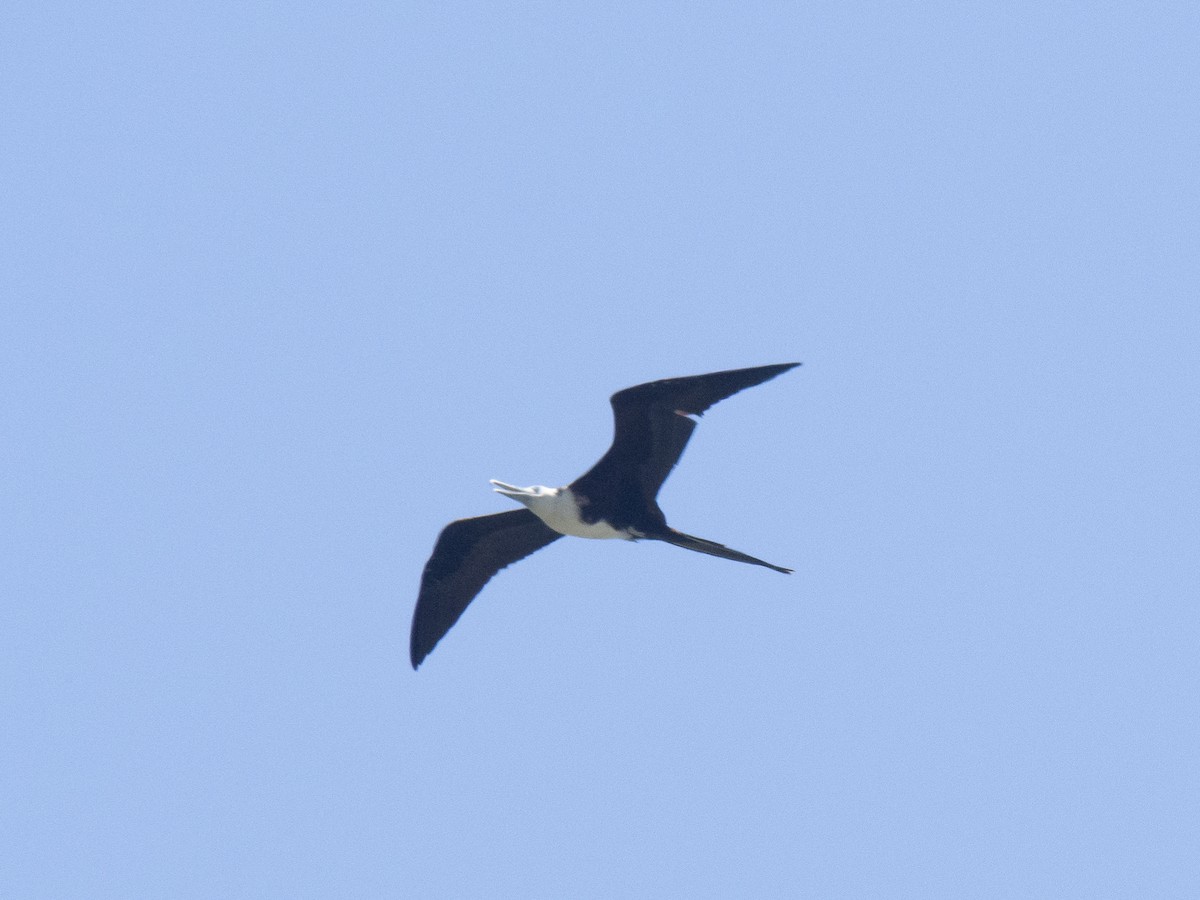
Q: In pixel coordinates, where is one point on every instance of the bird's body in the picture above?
(615, 499)
(562, 511)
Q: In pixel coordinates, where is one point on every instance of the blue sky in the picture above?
(285, 286)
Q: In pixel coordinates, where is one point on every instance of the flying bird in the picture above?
(613, 499)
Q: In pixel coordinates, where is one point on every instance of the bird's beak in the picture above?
(510, 490)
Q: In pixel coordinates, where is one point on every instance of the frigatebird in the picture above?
(613, 499)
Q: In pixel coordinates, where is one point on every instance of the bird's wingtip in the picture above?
(416, 656)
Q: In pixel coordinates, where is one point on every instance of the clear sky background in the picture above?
(283, 286)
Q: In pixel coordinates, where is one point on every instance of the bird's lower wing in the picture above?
(467, 554)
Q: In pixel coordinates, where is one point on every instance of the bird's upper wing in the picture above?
(651, 427)
(467, 554)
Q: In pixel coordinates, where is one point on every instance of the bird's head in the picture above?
(527, 495)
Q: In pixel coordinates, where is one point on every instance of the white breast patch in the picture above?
(561, 513)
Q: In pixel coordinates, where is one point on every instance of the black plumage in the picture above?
(652, 426)
(467, 554)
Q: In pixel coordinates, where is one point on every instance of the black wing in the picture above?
(467, 554)
(652, 428)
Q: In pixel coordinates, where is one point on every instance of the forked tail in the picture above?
(712, 548)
